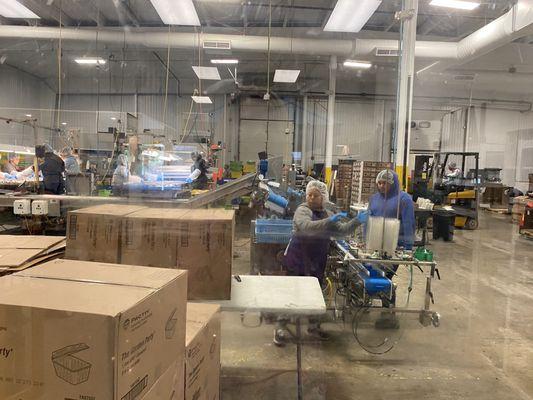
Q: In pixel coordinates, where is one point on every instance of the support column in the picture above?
(331, 117)
(304, 134)
(404, 101)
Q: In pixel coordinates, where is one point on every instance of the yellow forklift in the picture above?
(460, 191)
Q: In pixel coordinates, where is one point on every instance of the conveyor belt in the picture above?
(234, 188)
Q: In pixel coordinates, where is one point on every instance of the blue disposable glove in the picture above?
(188, 180)
(338, 217)
(362, 216)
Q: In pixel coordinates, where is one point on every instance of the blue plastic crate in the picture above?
(273, 231)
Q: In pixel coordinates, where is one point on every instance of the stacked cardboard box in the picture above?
(519, 207)
(343, 183)
(364, 179)
(94, 233)
(82, 330)
(18, 252)
(202, 352)
(530, 176)
(200, 241)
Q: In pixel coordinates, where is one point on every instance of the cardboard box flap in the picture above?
(109, 209)
(160, 213)
(102, 273)
(69, 350)
(16, 257)
(198, 317)
(211, 215)
(29, 242)
(54, 294)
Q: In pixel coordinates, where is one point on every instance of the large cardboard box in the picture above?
(205, 249)
(202, 352)
(150, 237)
(93, 233)
(170, 386)
(200, 241)
(81, 330)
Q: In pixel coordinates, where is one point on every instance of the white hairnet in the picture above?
(453, 165)
(385, 176)
(122, 160)
(321, 187)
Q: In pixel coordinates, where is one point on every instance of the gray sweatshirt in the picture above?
(303, 222)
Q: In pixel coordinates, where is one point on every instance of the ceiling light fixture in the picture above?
(202, 99)
(13, 9)
(113, 118)
(462, 5)
(63, 123)
(286, 75)
(225, 61)
(177, 12)
(28, 115)
(357, 64)
(350, 15)
(90, 61)
(207, 73)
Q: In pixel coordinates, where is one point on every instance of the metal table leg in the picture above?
(299, 357)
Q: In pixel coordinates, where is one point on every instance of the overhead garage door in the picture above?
(262, 128)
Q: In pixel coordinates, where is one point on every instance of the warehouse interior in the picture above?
(164, 157)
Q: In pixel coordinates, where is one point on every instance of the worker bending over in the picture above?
(52, 168)
(307, 252)
(198, 177)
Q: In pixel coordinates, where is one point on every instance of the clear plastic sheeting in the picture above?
(382, 234)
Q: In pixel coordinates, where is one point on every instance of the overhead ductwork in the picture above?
(285, 45)
(516, 23)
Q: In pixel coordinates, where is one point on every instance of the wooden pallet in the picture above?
(497, 210)
(528, 233)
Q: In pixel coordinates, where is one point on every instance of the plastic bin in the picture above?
(443, 225)
(277, 231)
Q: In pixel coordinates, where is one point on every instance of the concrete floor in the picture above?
(482, 350)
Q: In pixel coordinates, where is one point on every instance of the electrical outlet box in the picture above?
(54, 208)
(22, 207)
(39, 207)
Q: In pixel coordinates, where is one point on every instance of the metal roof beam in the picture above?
(45, 11)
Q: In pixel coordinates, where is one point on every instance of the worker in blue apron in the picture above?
(307, 252)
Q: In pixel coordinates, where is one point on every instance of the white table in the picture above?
(294, 295)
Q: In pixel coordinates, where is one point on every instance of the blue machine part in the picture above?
(375, 282)
(263, 167)
(278, 200)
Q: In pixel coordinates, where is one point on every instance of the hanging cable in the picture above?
(59, 72)
(166, 84)
(268, 44)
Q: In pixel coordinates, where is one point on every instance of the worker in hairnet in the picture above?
(121, 176)
(72, 167)
(307, 252)
(53, 169)
(198, 177)
(391, 202)
(12, 165)
(453, 172)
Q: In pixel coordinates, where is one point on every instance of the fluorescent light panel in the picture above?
(207, 73)
(202, 99)
(286, 75)
(13, 9)
(225, 61)
(90, 61)
(177, 12)
(351, 15)
(357, 64)
(462, 5)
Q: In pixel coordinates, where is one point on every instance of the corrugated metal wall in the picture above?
(20, 95)
(359, 124)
